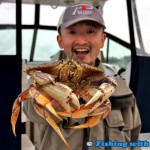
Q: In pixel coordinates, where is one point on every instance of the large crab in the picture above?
(66, 82)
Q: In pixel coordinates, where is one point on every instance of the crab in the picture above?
(67, 82)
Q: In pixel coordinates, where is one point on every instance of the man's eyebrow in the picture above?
(92, 24)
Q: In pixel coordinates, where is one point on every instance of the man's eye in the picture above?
(72, 32)
(90, 31)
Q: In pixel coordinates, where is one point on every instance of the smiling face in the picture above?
(82, 40)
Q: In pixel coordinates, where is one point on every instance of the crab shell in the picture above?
(69, 71)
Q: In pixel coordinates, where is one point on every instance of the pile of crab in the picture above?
(67, 82)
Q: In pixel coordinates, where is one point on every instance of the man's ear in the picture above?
(59, 41)
(103, 40)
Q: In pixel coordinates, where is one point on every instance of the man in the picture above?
(81, 35)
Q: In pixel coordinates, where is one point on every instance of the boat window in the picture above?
(8, 30)
(9, 10)
(27, 36)
(141, 11)
(116, 20)
(117, 55)
(49, 15)
(46, 45)
(28, 13)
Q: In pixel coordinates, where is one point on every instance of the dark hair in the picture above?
(59, 31)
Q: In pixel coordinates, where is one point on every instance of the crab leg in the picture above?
(32, 92)
(43, 112)
(97, 115)
(93, 121)
(16, 108)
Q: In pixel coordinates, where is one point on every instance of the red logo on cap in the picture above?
(84, 7)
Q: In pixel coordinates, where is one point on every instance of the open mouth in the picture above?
(81, 51)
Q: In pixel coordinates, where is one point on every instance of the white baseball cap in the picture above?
(80, 12)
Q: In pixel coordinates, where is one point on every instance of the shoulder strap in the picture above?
(122, 89)
(123, 96)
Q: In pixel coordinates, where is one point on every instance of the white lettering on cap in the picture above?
(81, 9)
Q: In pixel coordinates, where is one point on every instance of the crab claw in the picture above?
(63, 94)
(16, 108)
(104, 92)
(60, 92)
(43, 112)
(43, 100)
